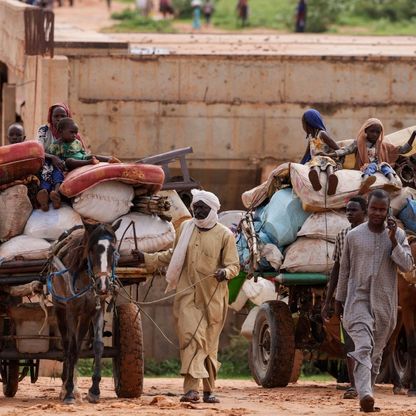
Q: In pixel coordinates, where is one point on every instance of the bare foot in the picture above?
(94, 161)
(43, 198)
(56, 199)
(314, 178)
(114, 160)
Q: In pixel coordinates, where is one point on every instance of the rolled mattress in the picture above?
(17, 161)
(81, 179)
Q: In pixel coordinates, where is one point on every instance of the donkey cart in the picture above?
(29, 329)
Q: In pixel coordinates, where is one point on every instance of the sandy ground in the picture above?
(238, 397)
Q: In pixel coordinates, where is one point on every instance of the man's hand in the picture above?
(324, 312)
(139, 255)
(392, 227)
(220, 275)
(58, 163)
(338, 309)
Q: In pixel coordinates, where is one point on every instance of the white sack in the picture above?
(178, 210)
(153, 234)
(349, 182)
(239, 302)
(273, 255)
(231, 219)
(105, 202)
(324, 225)
(309, 255)
(51, 224)
(15, 209)
(24, 247)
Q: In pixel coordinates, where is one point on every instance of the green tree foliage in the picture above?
(322, 14)
(393, 10)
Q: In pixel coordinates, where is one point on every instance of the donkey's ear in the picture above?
(89, 225)
(116, 225)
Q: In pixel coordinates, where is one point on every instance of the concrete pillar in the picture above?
(8, 114)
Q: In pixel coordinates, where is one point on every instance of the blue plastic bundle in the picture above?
(282, 218)
(408, 215)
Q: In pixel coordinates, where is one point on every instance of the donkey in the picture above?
(79, 293)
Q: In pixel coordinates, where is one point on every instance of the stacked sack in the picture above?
(103, 193)
(302, 223)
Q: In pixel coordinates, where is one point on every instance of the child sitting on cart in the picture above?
(319, 146)
(70, 150)
(373, 154)
(15, 133)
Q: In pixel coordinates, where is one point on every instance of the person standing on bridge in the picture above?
(356, 211)
(203, 259)
(367, 289)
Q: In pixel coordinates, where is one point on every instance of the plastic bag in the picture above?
(260, 291)
(324, 225)
(105, 202)
(51, 224)
(283, 217)
(15, 210)
(408, 215)
(309, 255)
(153, 234)
(24, 247)
(231, 219)
(399, 199)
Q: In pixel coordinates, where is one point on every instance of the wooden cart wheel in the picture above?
(128, 366)
(10, 377)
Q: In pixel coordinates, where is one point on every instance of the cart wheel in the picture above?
(273, 345)
(128, 366)
(10, 377)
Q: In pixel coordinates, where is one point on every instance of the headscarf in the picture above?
(386, 152)
(314, 119)
(68, 114)
(50, 111)
(178, 257)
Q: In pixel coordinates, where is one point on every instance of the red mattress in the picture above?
(17, 161)
(81, 179)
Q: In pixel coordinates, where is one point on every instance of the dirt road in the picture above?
(238, 397)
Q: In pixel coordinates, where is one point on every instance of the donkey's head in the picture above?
(101, 253)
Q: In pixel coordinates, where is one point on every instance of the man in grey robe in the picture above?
(367, 289)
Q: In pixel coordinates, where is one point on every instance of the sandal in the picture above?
(332, 184)
(365, 184)
(351, 393)
(210, 398)
(192, 396)
(314, 179)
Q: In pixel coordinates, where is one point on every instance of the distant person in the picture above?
(15, 133)
(144, 7)
(196, 12)
(242, 11)
(301, 11)
(165, 7)
(208, 10)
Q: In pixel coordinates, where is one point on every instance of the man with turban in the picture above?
(203, 259)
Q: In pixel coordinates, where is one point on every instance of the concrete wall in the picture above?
(239, 113)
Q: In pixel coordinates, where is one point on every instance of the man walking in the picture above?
(367, 289)
(356, 211)
(204, 258)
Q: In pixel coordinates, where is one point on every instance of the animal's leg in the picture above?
(72, 360)
(98, 347)
(61, 318)
(398, 387)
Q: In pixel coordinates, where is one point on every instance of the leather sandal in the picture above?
(210, 398)
(351, 393)
(192, 396)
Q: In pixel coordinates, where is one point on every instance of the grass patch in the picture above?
(132, 21)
